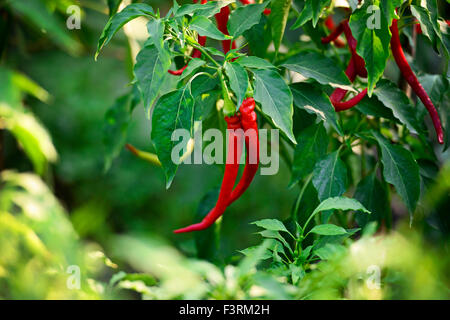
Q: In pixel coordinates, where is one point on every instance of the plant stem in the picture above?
(300, 197)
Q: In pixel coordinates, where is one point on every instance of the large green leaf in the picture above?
(312, 145)
(374, 196)
(275, 98)
(374, 107)
(151, 72)
(208, 9)
(206, 28)
(173, 111)
(311, 11)
(340, 203)
(330, 176)
(396, 100)
(255, 62)
(311, 98)
(278, 18)
(271, 224)
(118, 20)
(320, 68)
(328, 230)
(238, 80)
(245, 17)
(117, 119)
(423, 15)
(401, 170)
(373, 41)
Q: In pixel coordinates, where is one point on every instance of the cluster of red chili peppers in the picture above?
(242, 126)
(356, 68)
(247, 122)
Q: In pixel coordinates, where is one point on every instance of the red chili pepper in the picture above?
(196, 53)
(222, 22)
(229, 178)
(250, 126)
(360, 64)
(411, 78)
(335, 33)
(339, 94)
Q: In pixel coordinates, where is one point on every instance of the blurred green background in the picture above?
(94, 213)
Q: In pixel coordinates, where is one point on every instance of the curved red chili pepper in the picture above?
(360, 64)
(339, 94)
(250, 126)
(195, 54)
(229, 178)
(411, 78)
(335, 33)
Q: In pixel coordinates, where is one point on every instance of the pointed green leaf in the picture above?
(328, 230)
(238, 80)
(117, 21)
(275, 98)
(312, 145)
(320, 68)
(311, 98)
(245, 17)
(330, 176)
(206, 28)
(151, 72)
(401, 170)
(278, 18)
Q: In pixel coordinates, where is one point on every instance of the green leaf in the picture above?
(297, 273)
(206, 28)
(271, 234)
(276, 99)
(312, 145)
(278, 18)
(328, 230)
(340, 203)
(423, 15)
(373, 41)
(117, 119)
(271, 224)
(374, 196)
(193, 65)
(32, 136)
(36, 12)
(330, 250)
(172, 111)
(389, 9)
(117, 21)
(401, 170)
(208, 9)
(255, 63)
(375, 108)
(330, 176)
(311, 98)
(151, 72)
(312, 10)
(320, 68)
(238, 80)
(396, 100)
(245, 17)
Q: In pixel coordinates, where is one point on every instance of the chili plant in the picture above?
(352, 133)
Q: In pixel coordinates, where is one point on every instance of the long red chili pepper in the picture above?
(250, 126)
(222, 22)
(411, 78)
(335, 33)
(195, 54)
(360, 64)
(229, 178)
